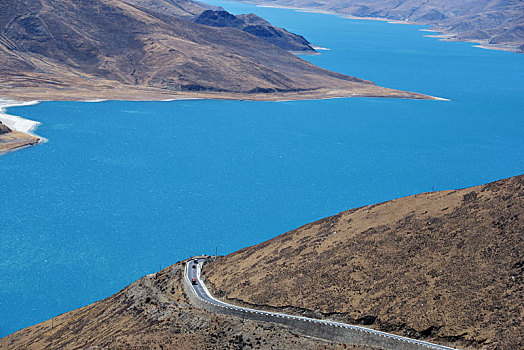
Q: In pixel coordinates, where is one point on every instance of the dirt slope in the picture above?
(445, 266)
(153, 313)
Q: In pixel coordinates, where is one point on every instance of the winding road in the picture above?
(325, 329)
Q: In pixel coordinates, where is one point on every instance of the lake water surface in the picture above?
(124, 188)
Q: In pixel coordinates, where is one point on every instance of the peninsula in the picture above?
(155, 50)
(161, 49)
(445, 267)
(12, 140)
(15, 132)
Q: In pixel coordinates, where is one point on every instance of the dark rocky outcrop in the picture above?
(257, 26)
(4, 129)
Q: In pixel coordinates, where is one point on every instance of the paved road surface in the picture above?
(193, 271)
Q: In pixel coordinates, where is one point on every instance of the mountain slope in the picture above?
(494, 23)
(447, 266)
(216, 17)
(118, 48)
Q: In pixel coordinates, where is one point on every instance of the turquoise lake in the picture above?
(124, 188)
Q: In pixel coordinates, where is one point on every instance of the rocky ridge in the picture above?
(257, 26)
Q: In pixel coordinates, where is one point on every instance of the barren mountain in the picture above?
(140, 49)
(153, 313)
(445, 266)
(493, 23)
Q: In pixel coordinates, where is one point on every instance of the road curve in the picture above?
(325, 329)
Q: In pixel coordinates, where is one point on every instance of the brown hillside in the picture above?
(137, 49)
(153, 313)
(446, 266)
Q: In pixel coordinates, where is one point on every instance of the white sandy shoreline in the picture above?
(96, 100)
(15, 122)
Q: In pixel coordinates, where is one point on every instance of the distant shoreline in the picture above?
(23, 129)
(24, 96)
(444, 36)
(124, 92)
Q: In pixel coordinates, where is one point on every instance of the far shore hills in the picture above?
(442, 266)
(151, 50)
(492, 24)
